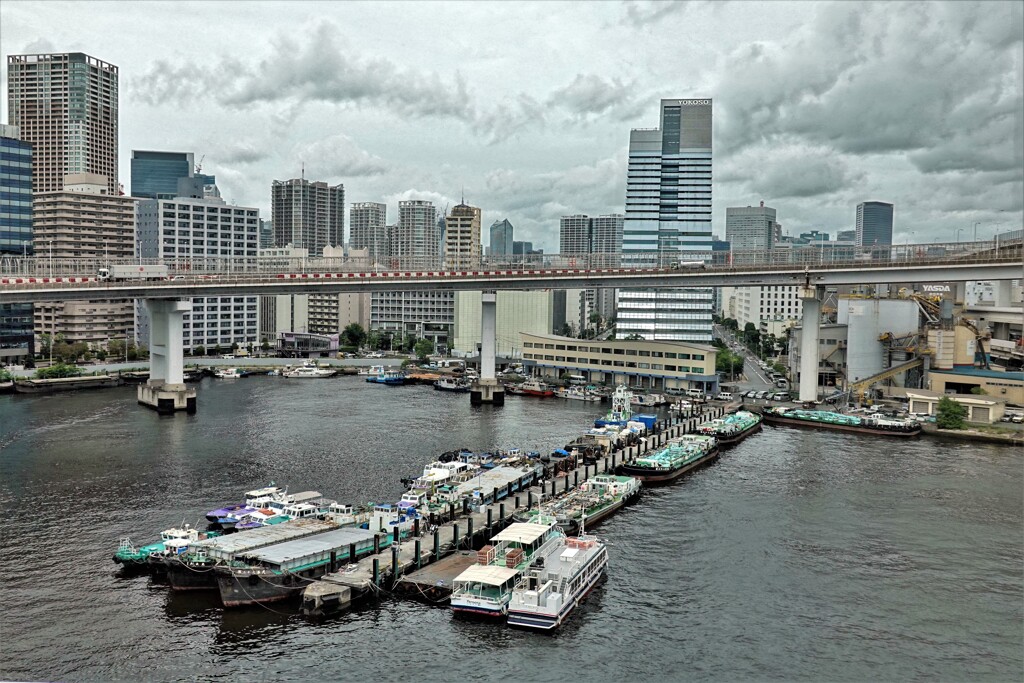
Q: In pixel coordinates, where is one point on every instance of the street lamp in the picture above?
(958, 230)
(976, 230)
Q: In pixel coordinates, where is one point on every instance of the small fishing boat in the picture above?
(452, 384)
(577, 394)
(561, 575)
(229, 373)
(389, 377)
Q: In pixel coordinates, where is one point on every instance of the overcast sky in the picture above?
(528, 106)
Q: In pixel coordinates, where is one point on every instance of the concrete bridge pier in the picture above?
(165, 391)
(487, 389)
(811, 299)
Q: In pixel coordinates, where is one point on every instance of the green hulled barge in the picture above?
(733, 428)
(680, 456)
(881, 426)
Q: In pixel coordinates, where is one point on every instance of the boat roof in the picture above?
(263, 491)
(316, 544)
(488, 574)
(303, 496)
(522, 532)
(231, 544)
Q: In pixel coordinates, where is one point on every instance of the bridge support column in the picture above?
(809, 334)
(166, 391)
(487, 389)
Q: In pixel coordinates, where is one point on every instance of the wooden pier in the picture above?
(425, 565)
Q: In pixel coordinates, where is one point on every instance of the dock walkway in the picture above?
(425, 565)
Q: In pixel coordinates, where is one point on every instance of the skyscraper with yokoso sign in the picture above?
(668, 220)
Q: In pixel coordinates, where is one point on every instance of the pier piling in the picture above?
(351, 552)
(567, 484)
(394, 535)
(489, 520)
(469, 531)
(501, 512)
(416, 527)
(376, 571)
(376, 544)
(394, 564)
(334, 561)
(553, 488)
(419, 554)
(517, 502)
(575, 478)
(529, 499)
(437, 545)
(455, 535)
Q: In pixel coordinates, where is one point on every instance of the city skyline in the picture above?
(550, 138)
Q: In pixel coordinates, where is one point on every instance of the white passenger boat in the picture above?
(485, 588)
(308, 371)
(577, 394)
(229, 373)
(559, 577)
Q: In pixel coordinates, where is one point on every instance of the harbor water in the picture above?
(799, 555)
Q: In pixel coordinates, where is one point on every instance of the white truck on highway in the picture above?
(133, 272)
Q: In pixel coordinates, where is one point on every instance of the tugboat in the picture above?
(674, 460)
(533, 387)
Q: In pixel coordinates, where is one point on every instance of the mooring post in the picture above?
(575, 477)
(395, 535)
(517, 502)
(419, 561)
(455, 536)
(416, 527)
(394, 564)
(567, 484)
(334, 561)
(501, 513)
(469, 531)
(553, 487)
(376, 544)
(489, 520)
(437, 545)
(376, 571)
(351, 552)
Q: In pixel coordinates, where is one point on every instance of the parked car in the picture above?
(675, 391)
(761, 394)
(781, 396)
(750, 394)
(1018, 419)
(724, 396)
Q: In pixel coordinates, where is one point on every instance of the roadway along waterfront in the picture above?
(798, 555)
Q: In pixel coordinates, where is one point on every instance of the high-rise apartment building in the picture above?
(66, 106)
(84, 221)
(200, 228)
(16, 326)
(668, 218)
(582, 234)
(501, 238)
(368, 229)
(574, 234)
(874, 224)
(462, 237)
(750, 229)
(308, 215)
(416, 240)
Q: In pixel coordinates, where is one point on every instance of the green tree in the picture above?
(115, 349)
(198, 351)
(58, 370)
(423, 348)
(265, 345)
(234, 347)
(950, 414)
(101, 354)
(353, 335)
(45, 341)
(727, 362)
(978, 391)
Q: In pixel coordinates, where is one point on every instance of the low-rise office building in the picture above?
(649, 364)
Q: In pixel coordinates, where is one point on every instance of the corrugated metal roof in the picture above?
(496, 478)
(232, 544)
(494, 576)
(317, 544)
(522, 532)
